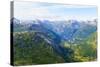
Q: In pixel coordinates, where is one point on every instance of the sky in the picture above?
(51, 11)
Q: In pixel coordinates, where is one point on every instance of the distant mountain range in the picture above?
(71, 29)
(65, 29)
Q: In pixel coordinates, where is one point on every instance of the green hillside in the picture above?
(86, 50)
(30, 50)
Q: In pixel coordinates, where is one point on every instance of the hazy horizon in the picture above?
(50, 11)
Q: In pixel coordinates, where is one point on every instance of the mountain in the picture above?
(87, 49)
(30, 48)
(37, 35)
(19, 25)
(72, 31)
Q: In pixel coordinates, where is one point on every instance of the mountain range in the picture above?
(57, 32)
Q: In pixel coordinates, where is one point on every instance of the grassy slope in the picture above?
(28, 51)
(87, 50)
